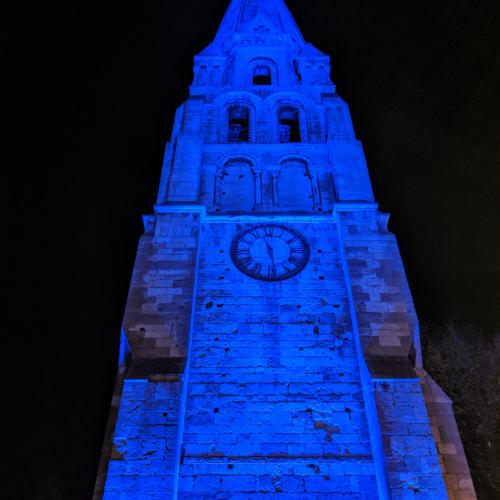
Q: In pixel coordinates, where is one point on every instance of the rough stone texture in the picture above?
(240, 179)
(347, 159)
(413, 468)
(389, 337)
(384, 308)
(144, 444)
(158, 310)
(109, 436)
(305, 388)
(274, 403)
(184, 180)
(444, 428)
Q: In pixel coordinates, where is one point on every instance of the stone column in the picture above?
(218, 180)
(316, 191)
(275, 178)
(259, 196)
(269, 186)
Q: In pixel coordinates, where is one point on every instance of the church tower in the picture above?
(270, 347)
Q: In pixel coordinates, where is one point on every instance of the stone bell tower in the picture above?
(270, 347)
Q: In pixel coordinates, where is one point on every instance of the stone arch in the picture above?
(262, 75)
(292, 186)
(226, 103)
(292, 102)
(289, 123)
(297, 158)
(237, 186)
(264, 69)
(238, 123)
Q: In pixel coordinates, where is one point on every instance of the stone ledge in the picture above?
(390, 367)
(155, 367)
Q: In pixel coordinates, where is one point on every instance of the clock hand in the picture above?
(270, 250)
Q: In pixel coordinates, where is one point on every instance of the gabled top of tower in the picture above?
(257, 22)
(258, 17)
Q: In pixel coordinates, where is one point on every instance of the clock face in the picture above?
(270, 252)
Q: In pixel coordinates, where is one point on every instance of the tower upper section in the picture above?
(259, 43)
(245, 19)
(263, 129)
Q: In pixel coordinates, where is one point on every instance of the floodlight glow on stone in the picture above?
(270, 346)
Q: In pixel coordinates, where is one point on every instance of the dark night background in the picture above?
(422, 80)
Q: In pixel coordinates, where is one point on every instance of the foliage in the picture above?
(467, 366)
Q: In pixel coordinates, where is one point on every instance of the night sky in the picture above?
(422, 80)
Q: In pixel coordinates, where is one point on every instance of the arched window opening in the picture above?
(262, 75)
(289, 127)
(293, 190)
(238, 124)
(235, 187)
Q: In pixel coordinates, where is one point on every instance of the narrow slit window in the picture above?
(262, 75)
(238, 124)
(289, 124)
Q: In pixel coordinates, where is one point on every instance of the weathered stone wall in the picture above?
(241, 179)
(444, 428)
(386, 317)
(158, 312)
(350, 170)
(284, 379)
(412, 462)
(156, 326)
(142, 462)
(388, 328)
(274, 404)
(107, 448)
(184, 177)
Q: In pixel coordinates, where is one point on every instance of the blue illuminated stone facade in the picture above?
(311, 387)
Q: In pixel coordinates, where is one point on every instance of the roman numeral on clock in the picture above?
(300, 250)
(243, 252)
(271, 271)
(245, 261)
(255, 233)
(295, 260)
(256, 269)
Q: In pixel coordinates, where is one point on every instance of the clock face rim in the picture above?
(281, 277)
